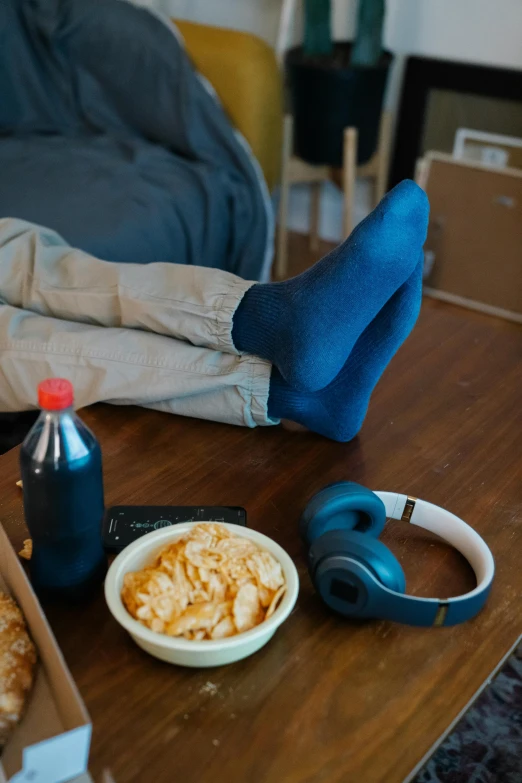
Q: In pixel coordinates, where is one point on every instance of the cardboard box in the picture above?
(51, 743)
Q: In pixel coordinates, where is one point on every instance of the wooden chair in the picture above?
(245, 74)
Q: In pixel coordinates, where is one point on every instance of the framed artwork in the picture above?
(440, 96)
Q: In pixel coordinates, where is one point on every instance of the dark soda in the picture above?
(61, 468)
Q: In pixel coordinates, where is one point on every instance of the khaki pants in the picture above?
(157, 335)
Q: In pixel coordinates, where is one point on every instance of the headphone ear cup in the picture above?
(366, 550)
(342, 506)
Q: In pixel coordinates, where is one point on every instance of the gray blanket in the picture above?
(108, 136)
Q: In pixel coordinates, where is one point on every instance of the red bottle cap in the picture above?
(55, 394)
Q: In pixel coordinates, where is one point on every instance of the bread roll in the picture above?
(17, 662)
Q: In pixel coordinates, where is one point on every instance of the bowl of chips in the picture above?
(202, 593)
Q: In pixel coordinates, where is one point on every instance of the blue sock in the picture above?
(307, 326)
(338, 410)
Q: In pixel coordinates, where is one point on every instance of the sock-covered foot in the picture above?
(338, 411)
(308, 325)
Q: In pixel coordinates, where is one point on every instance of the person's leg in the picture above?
(40, 272)
(128, 366)
(211, 308)
(306, 326)
(125, 366)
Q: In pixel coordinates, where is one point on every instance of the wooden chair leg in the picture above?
(383, 152)
(315, 207)
(284, 34)
(349, 177)
(281, 265)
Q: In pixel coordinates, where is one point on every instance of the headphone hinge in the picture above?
(408, 509)
(442, 611)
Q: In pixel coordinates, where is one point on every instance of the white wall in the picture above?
(480, 31)
(257, 16)
(488, 31)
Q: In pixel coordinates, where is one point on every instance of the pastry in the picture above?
(17, 663)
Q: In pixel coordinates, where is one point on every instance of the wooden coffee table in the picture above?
(327, 700)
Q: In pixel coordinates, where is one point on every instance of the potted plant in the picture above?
(335, 85)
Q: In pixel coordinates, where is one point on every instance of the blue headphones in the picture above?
(356, 574)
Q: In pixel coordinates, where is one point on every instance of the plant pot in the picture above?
(329, 95)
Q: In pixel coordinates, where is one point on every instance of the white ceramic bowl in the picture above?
(182, 651)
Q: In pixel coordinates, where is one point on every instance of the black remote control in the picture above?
(124, 524)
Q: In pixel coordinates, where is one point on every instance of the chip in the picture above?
(208, 584)
(224, 628)
(27, 551)
(247, 608)
(266, 570)
(275, 602)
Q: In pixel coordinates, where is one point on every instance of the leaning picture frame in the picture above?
(473, 253)
(499, 146)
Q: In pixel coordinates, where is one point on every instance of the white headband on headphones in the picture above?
(455, 532)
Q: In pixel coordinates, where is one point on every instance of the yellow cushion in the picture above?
(244, 73)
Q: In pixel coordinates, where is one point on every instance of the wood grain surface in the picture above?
(326, 700)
